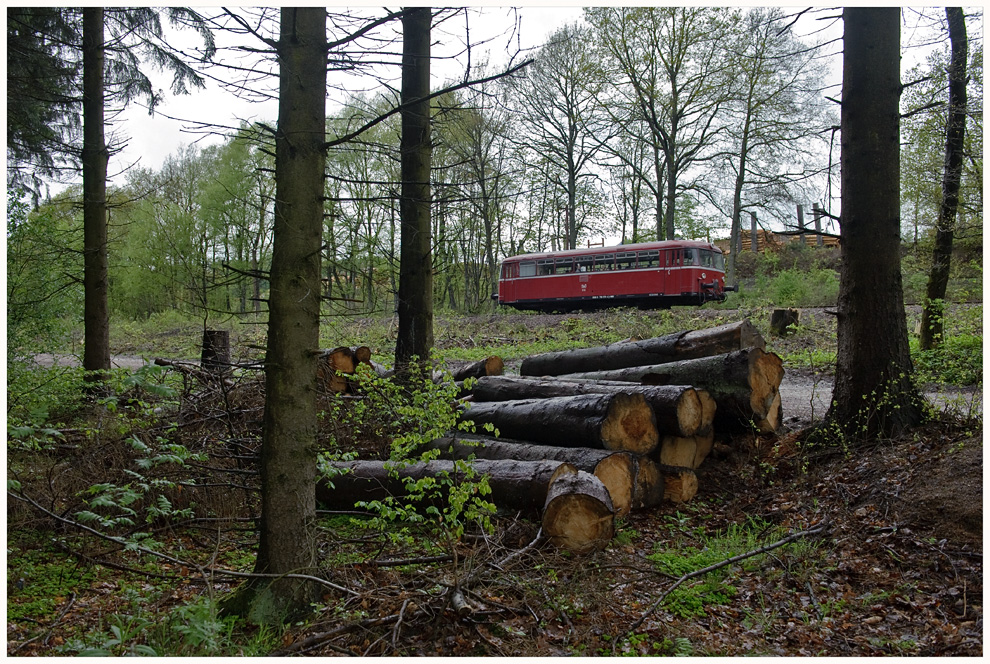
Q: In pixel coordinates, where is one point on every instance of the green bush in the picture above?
(958, 360)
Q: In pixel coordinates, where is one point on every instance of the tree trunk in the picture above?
(578, 515)
(873, 392)
(621, 422)
(415, 305)
(95, 155)
(932, 315)
(743, 383)
(677, 346)
(288, 450)
(677, 408)
(618, 471)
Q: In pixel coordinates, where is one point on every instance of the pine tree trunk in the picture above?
(415, 305)
(672, 347)
(288, 450)
(873, 392)
(95, 155)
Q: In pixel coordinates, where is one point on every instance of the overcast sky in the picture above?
(150, 139)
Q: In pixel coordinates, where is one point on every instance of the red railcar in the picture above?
(646, 275)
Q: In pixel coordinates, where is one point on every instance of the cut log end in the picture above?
(649, 484)
(617, 472)
(708, 406)
(690, 413)
(630, 425)
(765, 374)
(680, 484)
(579, 516)
(774, 419)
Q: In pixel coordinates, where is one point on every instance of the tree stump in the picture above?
(781, 319)
(215, 357)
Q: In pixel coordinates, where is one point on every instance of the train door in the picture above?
(654, 276)
(507, 284)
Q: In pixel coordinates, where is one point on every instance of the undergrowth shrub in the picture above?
(409, 412)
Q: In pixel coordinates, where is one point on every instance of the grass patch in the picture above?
(698, 550)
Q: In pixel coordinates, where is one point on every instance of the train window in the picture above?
(625, 260)
(649, 259)
(527, 269)
(583, 263)
(604, 262)
(690, 257)
(706, 258)
(564, 266)
(719, 260)
(545, 266)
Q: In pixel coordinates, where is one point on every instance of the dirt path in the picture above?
(63, 360)
(804, 395)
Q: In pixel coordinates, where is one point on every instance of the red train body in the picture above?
(646, 275)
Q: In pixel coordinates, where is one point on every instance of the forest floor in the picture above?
(875, 551)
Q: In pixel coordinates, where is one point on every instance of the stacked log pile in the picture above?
(586, 407)
(334, 368)
(587, 435)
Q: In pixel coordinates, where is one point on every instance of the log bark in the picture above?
(677, 408)
(516, 485)
(743, 383)
(621, 422)
(618, 471)
(649, 487)
(782, 319)
(490, 366)
(578, 515)
(658, 350)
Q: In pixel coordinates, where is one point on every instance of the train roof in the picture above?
(639, 246)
